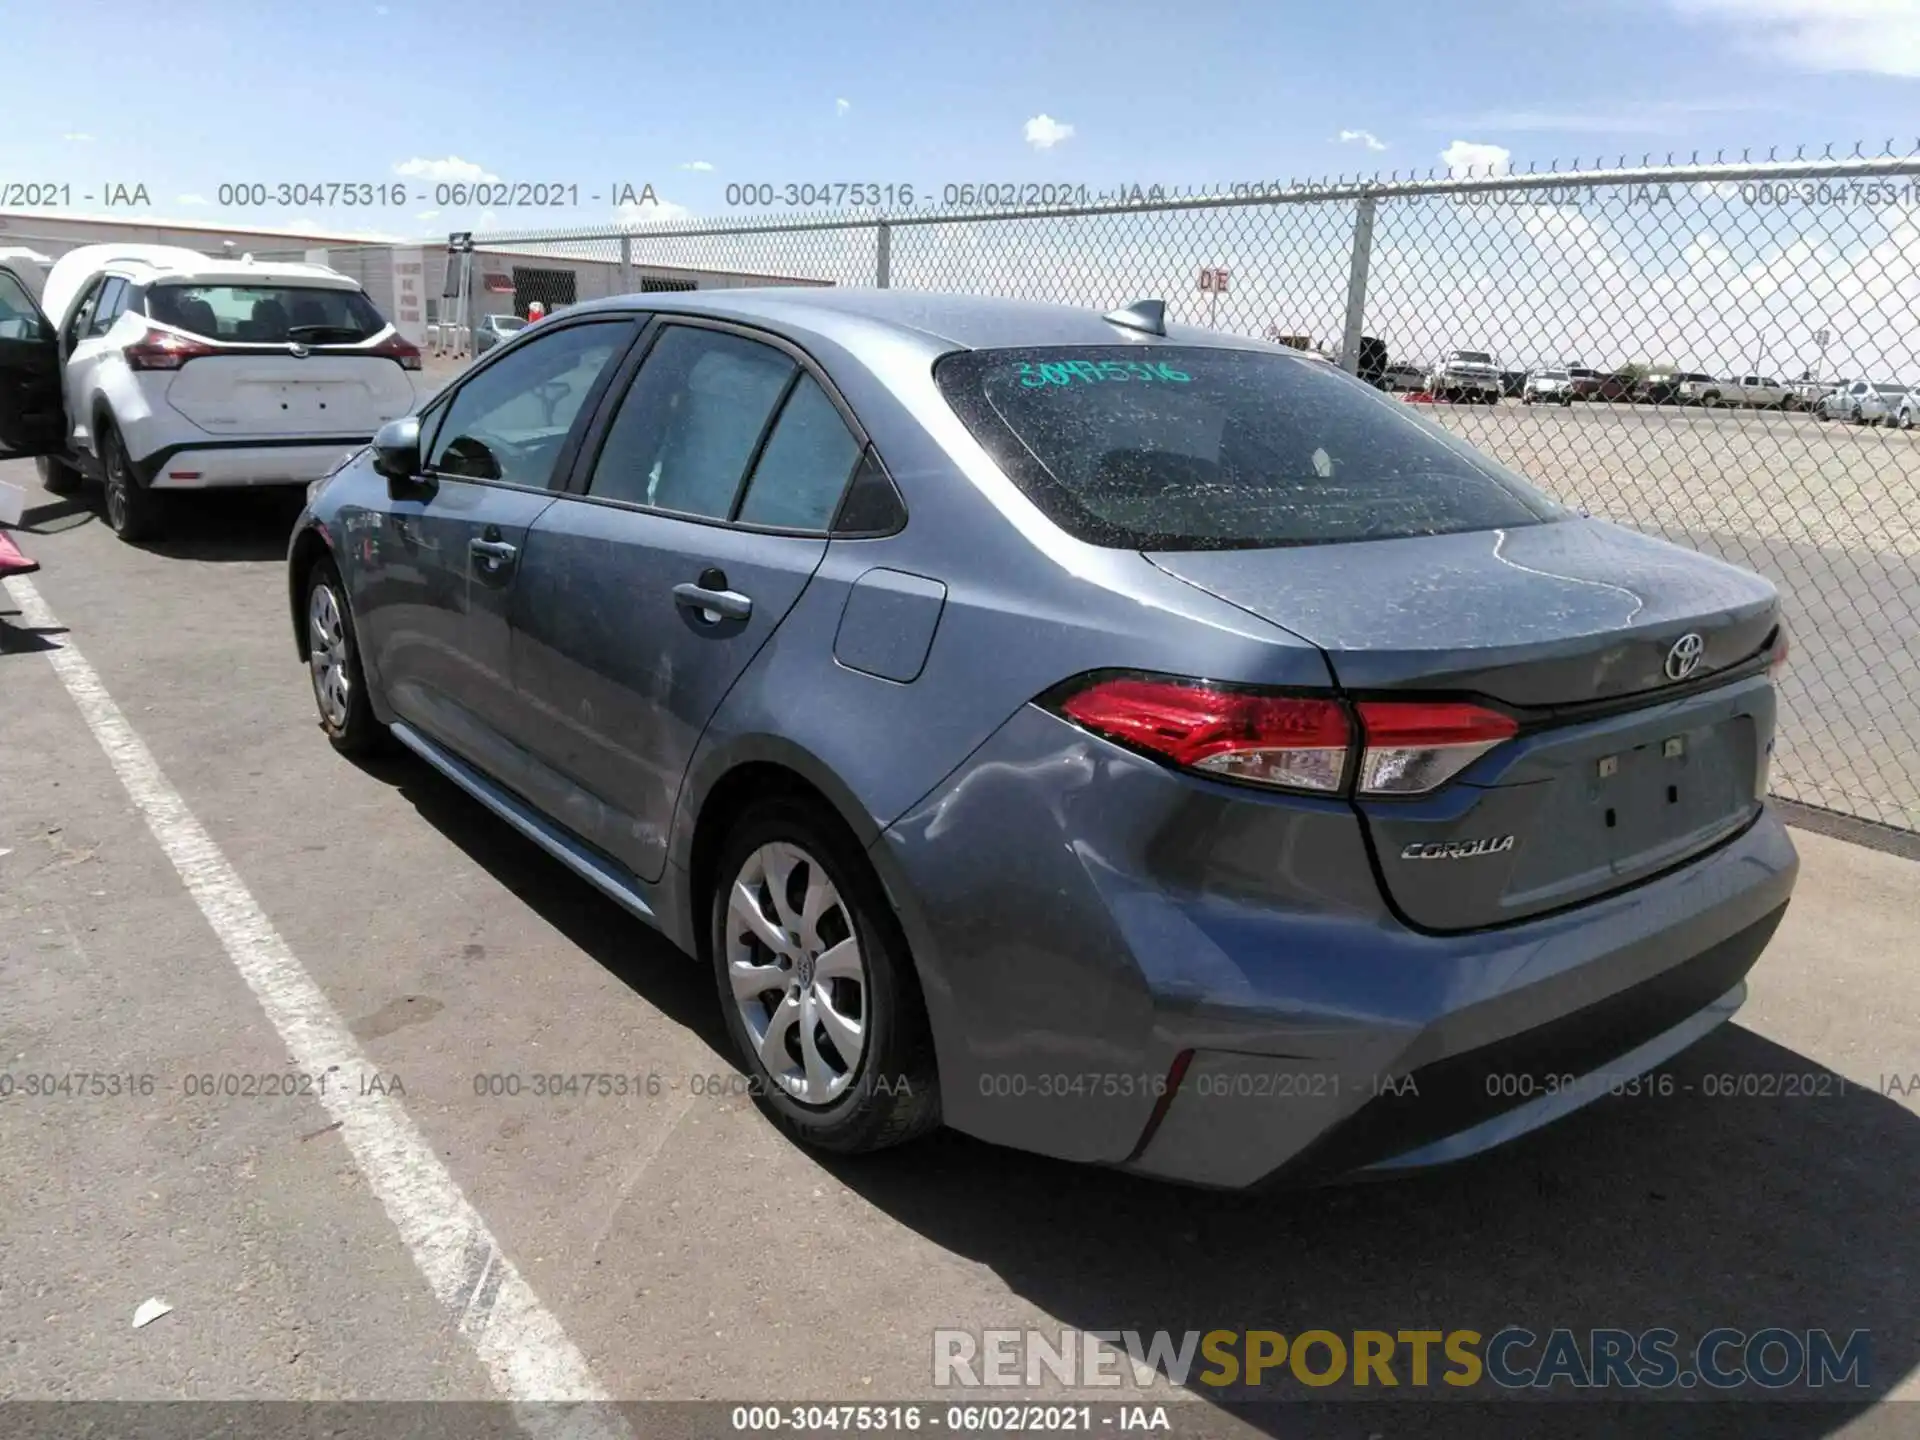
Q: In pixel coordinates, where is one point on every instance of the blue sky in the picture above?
(590, 93)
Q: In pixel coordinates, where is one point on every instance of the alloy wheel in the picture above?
(798, 978)
(117, 481)
(327, 654)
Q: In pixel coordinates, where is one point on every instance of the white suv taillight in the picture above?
(396, 347)
(164, 350)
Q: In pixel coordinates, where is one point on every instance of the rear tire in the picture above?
(134, 512)
(57, 477)
(333, 662)
(841, 981)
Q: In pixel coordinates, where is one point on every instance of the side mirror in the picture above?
(396, 448)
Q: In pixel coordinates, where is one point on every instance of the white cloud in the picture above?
(701, 165)
(1044, 132)
(79, 137)
(1363, 137)
(1470, 157)
(382, 10)
(842, 105)
(1881, 37)
(449, 169)
(189, 199)
(426, 215)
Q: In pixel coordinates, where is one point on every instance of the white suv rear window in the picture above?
(267, 314)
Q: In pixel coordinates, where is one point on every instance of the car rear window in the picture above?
(267, 314)
(1176, 447)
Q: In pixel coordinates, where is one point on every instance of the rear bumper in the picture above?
(250, 462)
(1082, 918)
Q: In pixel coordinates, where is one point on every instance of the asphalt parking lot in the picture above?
(683, 1246)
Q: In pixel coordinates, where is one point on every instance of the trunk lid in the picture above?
(1620, 770)
(266, 394)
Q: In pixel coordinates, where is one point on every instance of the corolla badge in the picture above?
(1684, 658)
(1456, 849)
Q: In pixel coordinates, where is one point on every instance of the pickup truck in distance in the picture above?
(1467, 375)
(1761, 392)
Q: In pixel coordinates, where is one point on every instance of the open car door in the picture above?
(32, 418)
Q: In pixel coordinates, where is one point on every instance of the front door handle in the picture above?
(713, 606)
(494, 555)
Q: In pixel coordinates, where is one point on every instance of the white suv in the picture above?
(176, 370)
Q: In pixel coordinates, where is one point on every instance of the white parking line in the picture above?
(526, 1353)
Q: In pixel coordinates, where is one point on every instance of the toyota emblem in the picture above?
(1684, 658)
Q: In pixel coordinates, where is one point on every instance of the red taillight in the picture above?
(397, 347)
(1413, 746)
(164, 350)
(1291, 742)
(1294, 742)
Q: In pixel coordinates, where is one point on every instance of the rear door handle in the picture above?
(713, 605)
(493, 555)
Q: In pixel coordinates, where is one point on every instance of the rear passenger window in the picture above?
(509, 422)
(690, 422)
(802, 472)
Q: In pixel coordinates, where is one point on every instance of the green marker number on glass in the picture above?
(1088, 372)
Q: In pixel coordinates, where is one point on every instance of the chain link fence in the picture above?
(1720, 353)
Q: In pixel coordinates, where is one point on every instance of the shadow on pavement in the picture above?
(1687, 1211)
(24, 639)
(628, 948)
(229, 525)
(56, 517)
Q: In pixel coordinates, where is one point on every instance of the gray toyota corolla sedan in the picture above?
(1128, 742)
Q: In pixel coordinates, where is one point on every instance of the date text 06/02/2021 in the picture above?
(446, 194)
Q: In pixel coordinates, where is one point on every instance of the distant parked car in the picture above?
(1548, 387)
(1805, 394)
(1467, 375)
(1666, 388)
(1512, 382)
(1756, 391)
(1762, 392)
(1403, 377)
(1908, 410)
(1585, 380)
(1861, 401)
(493, 330)
(1620, 385)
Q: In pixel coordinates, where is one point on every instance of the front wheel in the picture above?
(133, 511)
(333, 658)
(820, 995)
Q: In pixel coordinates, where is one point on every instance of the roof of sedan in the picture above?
(968, 321)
